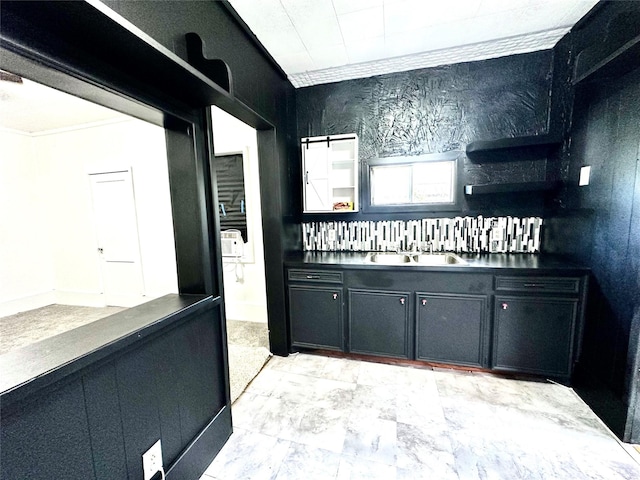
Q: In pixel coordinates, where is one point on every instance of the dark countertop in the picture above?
(486, 262)
(44, 362)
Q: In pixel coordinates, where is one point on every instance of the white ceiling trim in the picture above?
(466, 53)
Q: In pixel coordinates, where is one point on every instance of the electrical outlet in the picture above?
(152, 461)
(497, 234)
(585, 172)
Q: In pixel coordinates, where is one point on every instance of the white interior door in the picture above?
(117, 232)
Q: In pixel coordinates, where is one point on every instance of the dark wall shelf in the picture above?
(511, 148)
(616, 64)
(510, 187)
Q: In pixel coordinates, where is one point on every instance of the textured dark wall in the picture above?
(603, 222)
(441, 109)
(599, 225)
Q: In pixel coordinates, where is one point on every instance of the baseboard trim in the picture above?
(84, 299)
(248, 312)
(195, 459)
(24, 304)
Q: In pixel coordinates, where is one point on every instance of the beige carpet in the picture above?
(28, 327)
(248, 353)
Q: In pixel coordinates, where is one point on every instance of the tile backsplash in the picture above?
(459, 234)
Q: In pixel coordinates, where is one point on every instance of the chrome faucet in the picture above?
(427, 247)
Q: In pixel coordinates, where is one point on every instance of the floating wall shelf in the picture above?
(616, 64)
(511, 148)
(510, 187)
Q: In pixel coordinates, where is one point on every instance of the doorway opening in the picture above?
(85, 200)
(236, 164)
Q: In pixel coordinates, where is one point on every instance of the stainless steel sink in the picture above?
(437, 259)
(389, 258)
(415, 259)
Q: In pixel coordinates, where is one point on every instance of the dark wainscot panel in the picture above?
(88, 403)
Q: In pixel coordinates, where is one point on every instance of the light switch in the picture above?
(585, 172)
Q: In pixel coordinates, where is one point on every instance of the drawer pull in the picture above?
(313, 277)
(424, 302)
(534, 285)
(335, 296)
(402, 300)
(505, 306)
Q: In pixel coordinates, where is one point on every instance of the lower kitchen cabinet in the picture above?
(379, 323)
(534, 334)
(315, 313)
(450, 328)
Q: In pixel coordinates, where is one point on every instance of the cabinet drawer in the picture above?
(538, 284)
(324, 276)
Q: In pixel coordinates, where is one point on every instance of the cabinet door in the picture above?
(450, 328)
(316, 317)
(316, 169)
(379, 323)
(534, 334)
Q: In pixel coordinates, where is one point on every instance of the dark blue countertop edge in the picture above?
(42, 363)
(484, 262)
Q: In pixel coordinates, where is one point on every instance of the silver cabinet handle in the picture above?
(306, 178)
(505, 306)
(312, 277)
(424, 302)
(402, 300)
(335, 296)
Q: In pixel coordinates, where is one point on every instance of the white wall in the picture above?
(244, 300)
(26, 268)
(55, 170)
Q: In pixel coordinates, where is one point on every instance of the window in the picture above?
(427, 182)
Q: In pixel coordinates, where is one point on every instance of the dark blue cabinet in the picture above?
(379, 323)
(450, 328)
(316, 316)
(534, 334)
(316, 309)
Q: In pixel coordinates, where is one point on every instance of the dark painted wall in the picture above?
(603, 221)
(440, 109)
(262, 87)
(97, 422)
(599, 225)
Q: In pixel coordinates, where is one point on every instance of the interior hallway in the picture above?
(313, 417)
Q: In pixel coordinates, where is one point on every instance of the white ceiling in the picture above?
(321, 41)
(30, 107)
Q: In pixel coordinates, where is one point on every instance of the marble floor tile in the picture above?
(309, 463)
(267, 381)
(372, 439)
(310, 365)
(425, 447)
(342, 369)
(307, 417)
(356, 468)
(378, 374)
(248, 456)
(372, 402)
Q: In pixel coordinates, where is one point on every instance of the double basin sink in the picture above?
(385, 258)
